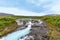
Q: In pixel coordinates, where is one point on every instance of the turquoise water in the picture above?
(18, 34)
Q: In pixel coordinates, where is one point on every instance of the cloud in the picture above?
(38, 2)
(48, 6)
(55, 8)
(31, 7)
(17, 11)
(38, 5)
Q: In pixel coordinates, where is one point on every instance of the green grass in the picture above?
(54, 20)
(5, 21)
(53, 23)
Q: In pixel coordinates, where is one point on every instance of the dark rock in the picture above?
(39, 32)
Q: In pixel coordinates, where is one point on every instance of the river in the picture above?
(18, 34)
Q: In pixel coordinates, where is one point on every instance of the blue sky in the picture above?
(30, 7)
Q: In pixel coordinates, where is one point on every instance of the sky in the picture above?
(30, 7)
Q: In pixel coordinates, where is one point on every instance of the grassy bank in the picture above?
(53, 23)
(5, 21)
(8, 29)
(7, 24)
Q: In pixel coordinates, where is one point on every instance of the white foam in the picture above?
(2, 38)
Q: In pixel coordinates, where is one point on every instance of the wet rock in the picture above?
(38, 31)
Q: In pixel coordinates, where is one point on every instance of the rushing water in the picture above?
(18, 34)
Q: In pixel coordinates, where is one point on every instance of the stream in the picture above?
(18, 34)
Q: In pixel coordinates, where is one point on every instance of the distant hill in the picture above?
(5, 14)
(51, 14)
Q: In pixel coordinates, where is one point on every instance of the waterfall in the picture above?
(18, 34)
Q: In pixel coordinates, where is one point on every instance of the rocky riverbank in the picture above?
(38, 32)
